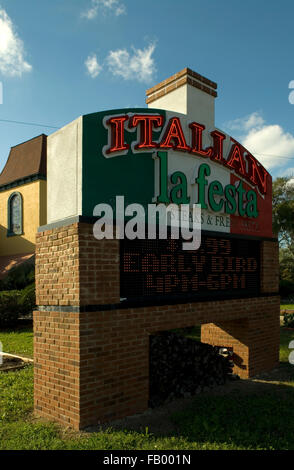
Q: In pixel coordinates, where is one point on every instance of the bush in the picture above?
(9, 308)
(289, 320)
(286, 287)
(27, 299)
(19, 277)
(14, 302)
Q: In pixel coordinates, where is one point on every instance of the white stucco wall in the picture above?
(173, 101)
(195, 103)
(200, 106)
(64, 172)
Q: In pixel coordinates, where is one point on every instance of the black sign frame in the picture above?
(132, 290)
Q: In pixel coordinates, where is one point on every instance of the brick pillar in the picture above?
(57, 366)
(269, 275)
(255, 338)
(73, 270)
(230, 334)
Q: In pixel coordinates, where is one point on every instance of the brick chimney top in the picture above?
(185, 76)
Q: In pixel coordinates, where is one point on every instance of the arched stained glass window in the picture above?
(15, 214)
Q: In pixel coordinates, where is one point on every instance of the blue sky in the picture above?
(60, 59)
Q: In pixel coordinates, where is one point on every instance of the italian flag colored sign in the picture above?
(151, 155)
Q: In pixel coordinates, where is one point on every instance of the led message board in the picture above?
(223, 267)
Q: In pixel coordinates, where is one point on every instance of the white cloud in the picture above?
(92, 65)
(120, 10)
(270, 143)
(12, 62)
(246, 123)
(138, 65)
(104, 6)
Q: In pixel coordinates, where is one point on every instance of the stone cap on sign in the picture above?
(185, 76)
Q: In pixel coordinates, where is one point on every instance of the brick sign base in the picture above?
(92, 355)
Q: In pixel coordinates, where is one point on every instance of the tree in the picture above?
(283, 212)
(283, 225)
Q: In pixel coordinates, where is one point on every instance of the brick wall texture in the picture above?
(92, 366)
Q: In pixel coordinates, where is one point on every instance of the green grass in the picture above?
(252, 422)
(287, 306)
(16, 395)
(18, 341)
(255, 418)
